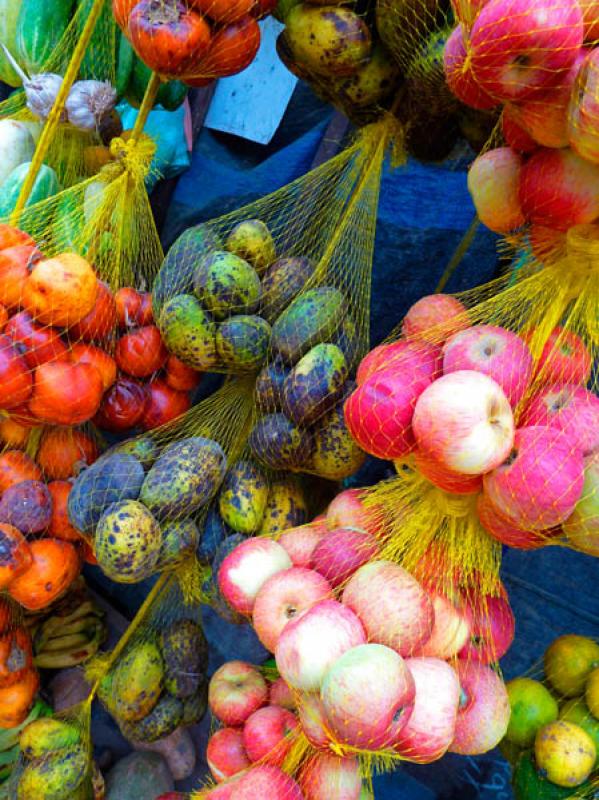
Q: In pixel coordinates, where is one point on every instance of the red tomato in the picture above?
(121, 10)
(12, 433)
(224, 11)
(60, 526)
(98, 325)
(16, 467)
(3, 317)
(263, 8)
(133, 308)
(41, 343)
(63, 451)
(164, 404)
(15, 376)
(14, 271)
(233, 49)
(11, 237)
(122, 405)
(181, 377)
(141, 352)
(65, 393)
(87, 552)
(105, 364)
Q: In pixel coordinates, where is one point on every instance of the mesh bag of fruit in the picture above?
(552, 740)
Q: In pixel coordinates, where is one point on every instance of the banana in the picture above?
(71, 656)
(58, 626)
(71, 642)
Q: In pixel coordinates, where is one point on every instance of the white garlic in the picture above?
(40, 90)
(89, 102)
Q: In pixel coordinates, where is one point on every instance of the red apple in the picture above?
(281, 695)
(267, 734)
(313, 720)
(583, 109)
(564, 358)
(567, 408)
(590, 19)
(582, 526)
(451, 629)
(236, 690)
(363, 712)
(284, 597)
(311, 643)
(300, 542)
(464, 421)
(540, 482)
(265, 782)
(225, 754)
(444, 478)
(347, 510)
(514, 135)
(431, 727)
(325, 776)
(491, 631)
(341, 552)
(459, 75)
(559, 189)
(416, 358)
(493, 182)
(505, 530)
(434, 318)
(247, 568)
(522, 48)
(391, 605)
(484, 710)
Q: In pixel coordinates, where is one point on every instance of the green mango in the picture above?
(336, 455)
(315, 316)
(137, 681)
(189, 332)
(252, 241)
(185, 654)
(372, 83)
(286, 506)
(162, 720)
(226, 284)
(54, 778)
(242, 342)
(314, 384)
(127, 542)
(279, 444)
(243, 497)
(45, 735)
(282, 282)
(185, 477)
(268, 391)
(179, 541)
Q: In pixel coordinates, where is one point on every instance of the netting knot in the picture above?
(133, 155)
(454, 505)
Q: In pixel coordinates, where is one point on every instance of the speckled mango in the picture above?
(278, 443)
(54, 778)
(109, 480)
(243, 497)
(286, 506)
(195, 707)
(268, 390)
(252, 241)
(336, 455)
(226, 284)
(137, 681)
(128, 541)
(179, 542)
(372, 82)
(185, 477)
(162, 720)
(314, 384)
(144, 449)
(315, 316)
(42, 736)
(189, 332)
(282, 282)
(328, 40)
(242, 342)
(185, 655)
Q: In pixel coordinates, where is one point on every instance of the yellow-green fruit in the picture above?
(577, 711)
(565, 753)
(314, 384)
(137, 682)
(372, 82)
(127, 542)
(242, 342)
(252, 241)
(243, 497)
(286, 506)
(328, 40)
(226, 284)
(56, 777)
(568, 662)
(188, 331)
(335, 455)
(532, 706)
(591, 692)
(179, 541)
(44, 735)
(185, 655)
(315, 316)
(160, 722)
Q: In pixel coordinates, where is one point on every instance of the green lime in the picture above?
(532, 706)
(568, 662)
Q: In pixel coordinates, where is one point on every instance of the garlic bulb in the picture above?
(40, 90)
(89, 102)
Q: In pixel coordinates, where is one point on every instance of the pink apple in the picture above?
(459, 76)
(434, 318)
(444, 478)
(224, 791)
(464, 421)
(300, 542)
(453, 620)
(519, 50)
(493, 182)
(583, 108)
(484, 710)
(416, 358)
(313, 720)
(247, 568)
(540, 482)
(368, 696)
(568, 408)
(283, 597)
(515, 136)
(590, 19)
(267, 734)
(582, 526)
(494, 351)
(431, 727)
(492, 629)
(325, 776)
(391, 605)
(281, 695)
(564, 357)
(347, 510)
(507, 531)
(311, 643)
(226, 754)
(341, 552)
(266, 782)
(236, 690)
(559, 189)
(379, 413)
